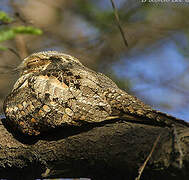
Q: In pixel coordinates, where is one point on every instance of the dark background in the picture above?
(154, 67)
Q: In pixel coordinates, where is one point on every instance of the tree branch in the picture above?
(103, 151)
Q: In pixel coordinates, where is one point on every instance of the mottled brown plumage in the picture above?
(55, 89)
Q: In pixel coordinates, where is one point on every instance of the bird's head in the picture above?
(40, 61)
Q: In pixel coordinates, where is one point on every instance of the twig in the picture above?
(17, 14)
(19, 39)
(6, 69)
(14, 52)
(141, 169)
(118, 23)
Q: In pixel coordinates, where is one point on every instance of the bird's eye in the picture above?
(32, 63)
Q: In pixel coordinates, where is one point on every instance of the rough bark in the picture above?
(113, 150)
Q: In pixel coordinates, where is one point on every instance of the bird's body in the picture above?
(55, 89)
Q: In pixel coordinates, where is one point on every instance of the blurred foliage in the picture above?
(124, 83)
(8, 31)
(4, 18)
(101, 19)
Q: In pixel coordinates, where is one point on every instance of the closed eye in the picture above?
(36, 63)
(32, 63)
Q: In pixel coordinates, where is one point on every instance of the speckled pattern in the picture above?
(55, 89)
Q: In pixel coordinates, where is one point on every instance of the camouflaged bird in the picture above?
(55, 90)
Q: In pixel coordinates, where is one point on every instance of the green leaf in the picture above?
(4, 17)
(10, 33)
(27, 30)
(6, 34)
